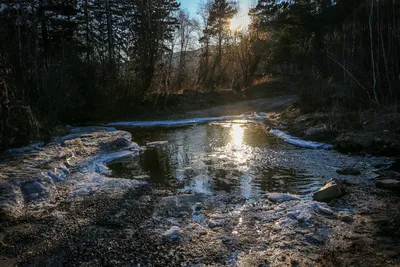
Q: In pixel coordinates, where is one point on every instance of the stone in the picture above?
(215, 223)
(10, 198)
(34, 190)
(116, 144)
(145, 199)
(323, 209)
(345, 216)
(198, 206)
(391, 175)
(172, 234)
(280, 197)
(383, 165)
(388, 184)
(314, 131)
(156, 143)
(349, 171)
(329, 191)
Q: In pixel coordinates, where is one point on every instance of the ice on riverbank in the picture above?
(299, 142)
(175, 123)
(69, 166)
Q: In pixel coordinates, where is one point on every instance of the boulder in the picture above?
(388, 184)
(349, 171)
(331, 190)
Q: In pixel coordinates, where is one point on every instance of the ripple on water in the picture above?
(235, 156)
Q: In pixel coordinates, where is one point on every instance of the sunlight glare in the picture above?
(237, 135)
(240, 22)
(236, 24)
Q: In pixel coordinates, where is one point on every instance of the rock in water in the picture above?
(331, 190)
(279, 197)
(349, 171)
(388, 184)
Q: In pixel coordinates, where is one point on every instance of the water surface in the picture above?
(234, 156)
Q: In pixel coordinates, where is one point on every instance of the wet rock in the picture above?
(56, 177)
(202, 231)
(172, 234)
(331, 190)
(389, 175)
(383, 165)
(348, 143)
(34, 191)
(198, 206)
(156, 143)
(145, 199)
(10, 198)
(33, 147)
(349, 171)
(116, 144)
(322, 209)
(345, 216)
(315, 131)
(216, 223)
(388, 184)
(280, 197)
(314, 239)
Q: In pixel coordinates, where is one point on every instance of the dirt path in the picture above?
(259, 105)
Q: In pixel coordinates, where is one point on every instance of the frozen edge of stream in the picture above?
(299, 142)
(184, 122)
(94, 169)
(195, 121)
(78, 166)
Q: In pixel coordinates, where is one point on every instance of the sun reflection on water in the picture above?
(237, 135)
(237, 147)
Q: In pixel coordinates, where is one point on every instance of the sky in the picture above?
(241, 21)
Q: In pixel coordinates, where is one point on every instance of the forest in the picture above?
(63, 60)
(200, 133)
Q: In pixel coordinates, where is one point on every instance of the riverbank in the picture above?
(71, 209)
(366, 132)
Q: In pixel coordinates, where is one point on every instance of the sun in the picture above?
(239, 23)
(236, 24)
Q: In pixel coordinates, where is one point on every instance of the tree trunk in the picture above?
(372, 53)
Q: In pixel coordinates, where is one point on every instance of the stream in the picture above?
(220, 193)
(237, 156)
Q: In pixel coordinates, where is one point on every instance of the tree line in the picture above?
(346, 51)
(64, 61)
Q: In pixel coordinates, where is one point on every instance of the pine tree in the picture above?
(220, 15)
(153, 24)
